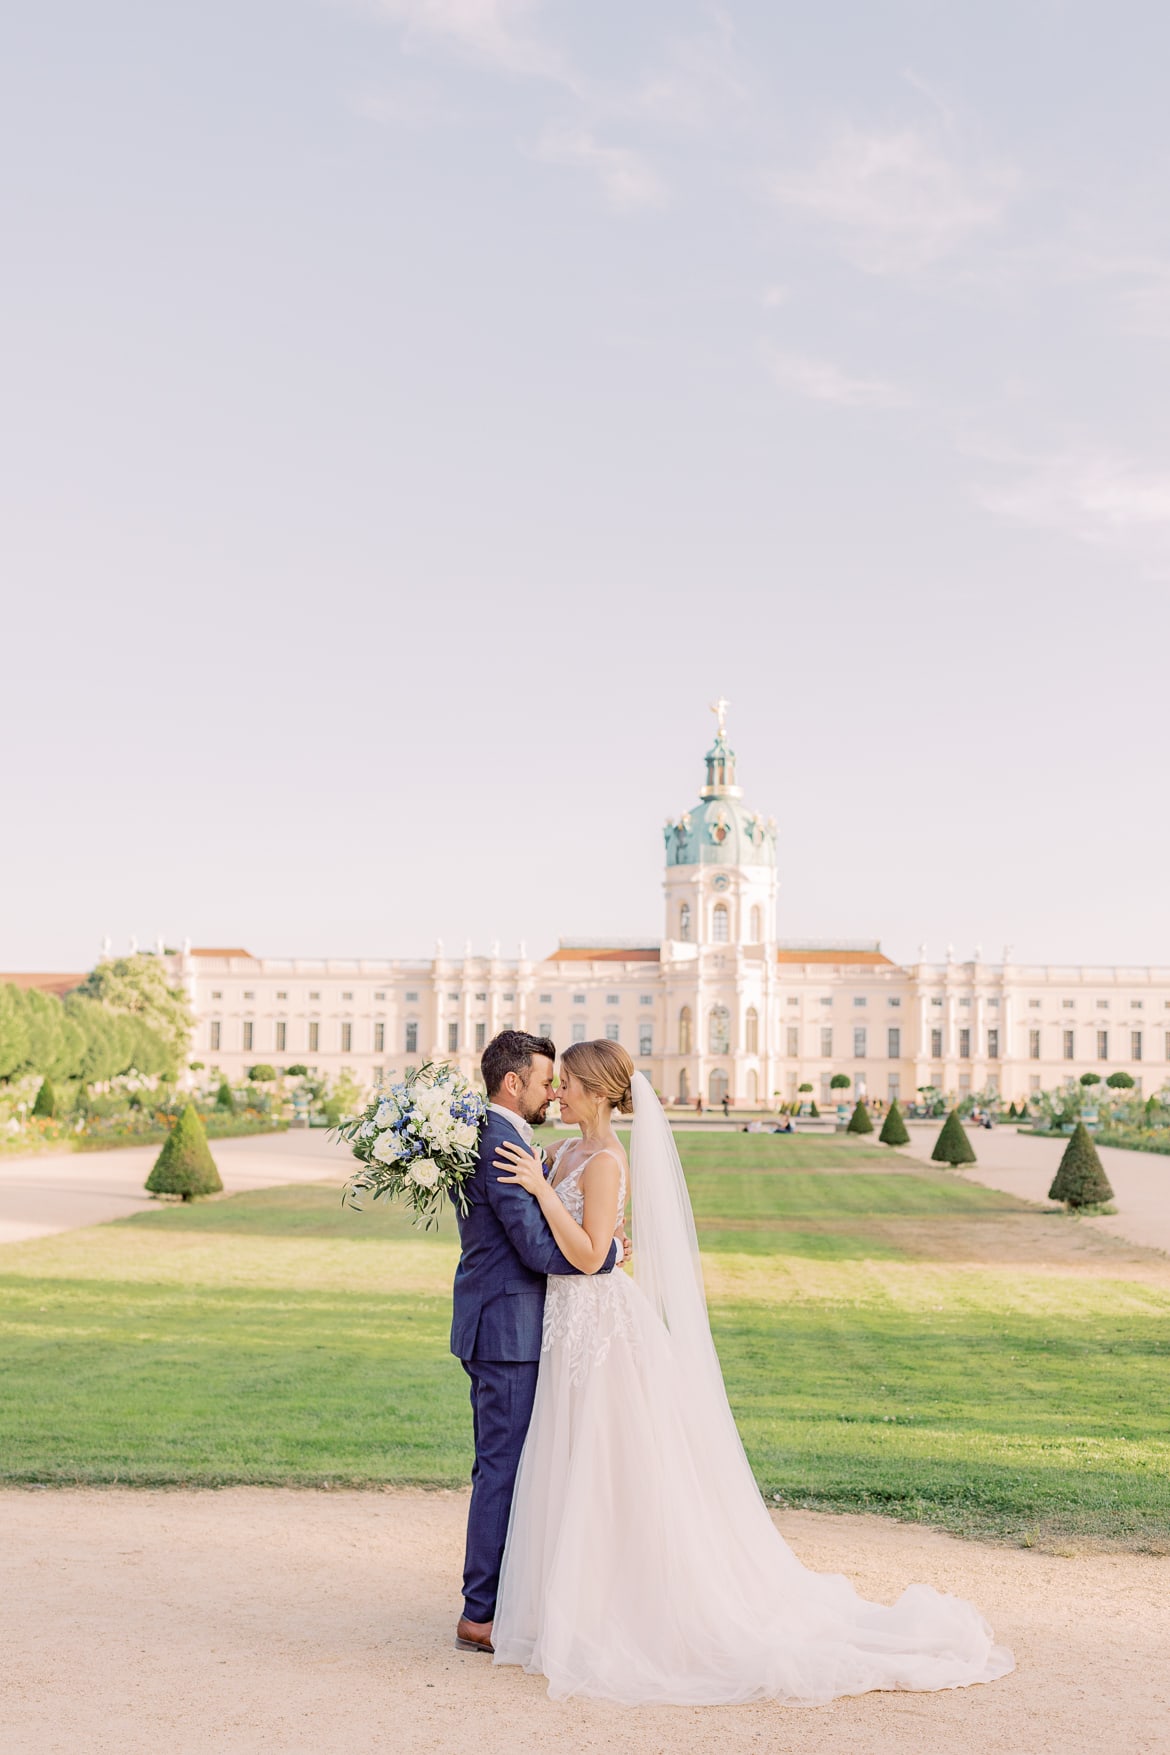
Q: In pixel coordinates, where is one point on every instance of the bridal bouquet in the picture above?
(417, 1142)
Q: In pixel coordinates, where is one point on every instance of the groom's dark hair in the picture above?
(511, 1051)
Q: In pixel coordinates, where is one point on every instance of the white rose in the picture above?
(424, 1173)
(387, 1114)
(367, 1128)
(387, 1150)
(465, 1133)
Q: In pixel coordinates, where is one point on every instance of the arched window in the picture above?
(753, 1087)
(684, 1030)
(719, 1030)
(684, 1087)
(719, 924)
(717, 1087)
(684, 921)
(757, 926)
(751, 1030)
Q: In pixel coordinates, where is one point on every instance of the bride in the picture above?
(641, 1563)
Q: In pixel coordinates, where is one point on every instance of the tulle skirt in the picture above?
(641, 1563)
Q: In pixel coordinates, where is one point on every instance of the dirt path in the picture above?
(302, 1623)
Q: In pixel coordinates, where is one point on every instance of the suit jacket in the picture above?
(508, 1250)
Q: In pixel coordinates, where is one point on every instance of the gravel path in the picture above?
(252, 1621)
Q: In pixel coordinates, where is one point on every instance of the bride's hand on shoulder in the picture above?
(527, 1168)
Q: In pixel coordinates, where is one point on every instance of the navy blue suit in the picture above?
(508, 1250)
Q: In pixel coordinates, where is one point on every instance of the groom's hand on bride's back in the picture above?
(625, 1247)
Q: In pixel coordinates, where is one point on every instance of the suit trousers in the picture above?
(502, 1394)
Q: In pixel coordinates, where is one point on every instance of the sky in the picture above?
(414, 414)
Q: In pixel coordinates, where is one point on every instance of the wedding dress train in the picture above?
(641, 1564)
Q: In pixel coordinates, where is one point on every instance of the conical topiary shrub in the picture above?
(859, 1121)
(224, 1099)
(46, 1101)
(185, 1165)
(952, 1145)
(1080, 1181)
(894, 1128)
(813, 1111)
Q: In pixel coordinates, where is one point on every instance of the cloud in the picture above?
(821, 381)
(489, 30)
(627, 179)
(1093, 496)
(703, 78)
(895, 202)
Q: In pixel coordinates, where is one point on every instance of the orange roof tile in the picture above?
(831, 956)
(233, 953)
(604, 954)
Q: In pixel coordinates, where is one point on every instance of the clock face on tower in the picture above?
(721, 881)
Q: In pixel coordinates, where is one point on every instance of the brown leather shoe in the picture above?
(474, 1636)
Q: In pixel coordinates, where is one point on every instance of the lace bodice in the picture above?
(585, 1313)
(570, 1193)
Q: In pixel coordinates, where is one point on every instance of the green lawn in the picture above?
(275, 1337)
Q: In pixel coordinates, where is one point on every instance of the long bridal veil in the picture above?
(737, 1616)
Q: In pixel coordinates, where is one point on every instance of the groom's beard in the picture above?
(535, 1117)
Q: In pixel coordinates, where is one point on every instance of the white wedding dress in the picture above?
(641, 1563)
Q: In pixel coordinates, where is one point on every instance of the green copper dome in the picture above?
(719, 830)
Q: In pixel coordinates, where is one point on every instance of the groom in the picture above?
(508, 1250)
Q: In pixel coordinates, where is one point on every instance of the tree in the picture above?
(1090, 1078)
(224, 1099)
(813, 1111)
(13, 1030)
(262, 1074)
(1080, 1180)
(894, 1128)
(859, 1121)
(185, 1165)
(297, 1072)
(952, 1145)
(138, 985)
(46, 1101)
(803, 1088)
(840, 1082)
(1119, 1081)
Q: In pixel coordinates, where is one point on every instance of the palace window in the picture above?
(544, 1028)
(314, 1036)
(281, 1035)
(859, 1042)
(719, 1030)
(217, 993)
(1102, 1045)
(314, 996)
(1066, 1005)
(993, 1044)
(579, 999)
(379, 996)
(645, 1038)
(964, 1044)
(1135, 1045)
(509, 998)
(1070, 1042)
(347, 998)
(1135, 1005)
(966, 1001)
(452, 1038)
(453, 998)
(379, 1037)
(281, 994)
(757, 926)
(347, 1038)
(1102, 1005)
(894, 1044)
(826, 1044)
(481, 1035)
(893, 1002)
(546, 999)
(1034, 1005)
(825, 999)
(411, 1043)
(794, 1041)
(216, 1033)
(249, 994)
(613, 999)
(247, 1035)
(893, 1087)
(993, 1001)
(684, 1030)
(936, 1044)
(751, 1030)
(579, 1030)
(684, 921)
(411, 998)
(480, 998)
(1033, 1044)
(645, 999)
(936, 1001)
(720, 928)
(613, 1031)
(860, 999)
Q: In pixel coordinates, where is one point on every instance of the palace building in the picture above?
(720, 1005)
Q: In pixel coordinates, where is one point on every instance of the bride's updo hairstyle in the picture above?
(605, 1070)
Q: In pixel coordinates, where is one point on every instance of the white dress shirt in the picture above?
(523, 1128)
